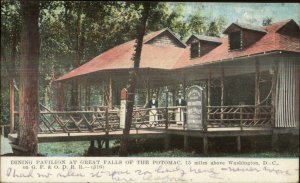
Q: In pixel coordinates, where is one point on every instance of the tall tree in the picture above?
(29, 100)
(133, 79)
(267, 21)
(198, 23)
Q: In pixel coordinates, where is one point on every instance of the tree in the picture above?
(213, 30)
(133, 78)
(10, 42)
(29, 99)
(198, 23)
(267, 21)
(216, 27)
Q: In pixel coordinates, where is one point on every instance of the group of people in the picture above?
(179, 117)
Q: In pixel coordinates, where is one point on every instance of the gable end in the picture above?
(166, 38)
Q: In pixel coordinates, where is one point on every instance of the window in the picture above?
(195, 51)
(235, 40)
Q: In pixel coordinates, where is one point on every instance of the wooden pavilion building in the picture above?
(252, 65)
(251, 77)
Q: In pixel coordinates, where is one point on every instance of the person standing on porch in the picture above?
(153, 104)
(180, 116)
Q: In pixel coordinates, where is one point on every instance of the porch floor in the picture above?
(156, 132)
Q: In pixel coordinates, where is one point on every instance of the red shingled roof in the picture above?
(171, 57)
(272, 41)
(119, 57)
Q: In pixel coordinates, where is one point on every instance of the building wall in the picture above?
(287, 100)
(250, 37)
(206, 47)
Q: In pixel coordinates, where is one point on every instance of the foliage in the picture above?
(267, 21)
(69, 28)
(63, 148)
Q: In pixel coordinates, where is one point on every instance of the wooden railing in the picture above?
(238, 116)
(104, 120)
(163, 117)
(78, 121)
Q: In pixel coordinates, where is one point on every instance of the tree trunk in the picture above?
(132, 80)
(29, 100)
(79, 47)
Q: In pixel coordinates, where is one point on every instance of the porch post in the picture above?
(12, 105)
(148, 96)
(103, 95)
(110, 100)
(88, 94)
(257, 94)
(80, 103)
(84, 93)
(184, 86)
(222, 94)
(273, 103)
(61, 96)
(208, 93)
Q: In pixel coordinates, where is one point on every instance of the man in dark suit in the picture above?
(153, 104)
(180, 101)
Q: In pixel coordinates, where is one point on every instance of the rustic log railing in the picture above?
(104, 120)
(239, 116)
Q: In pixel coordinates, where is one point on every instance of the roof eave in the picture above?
(241, 57)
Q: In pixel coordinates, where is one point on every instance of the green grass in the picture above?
(63, 148)
(80, 148)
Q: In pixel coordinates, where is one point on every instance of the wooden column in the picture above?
(110, 99)
(84, 93)
(89, 94)
(205, 145)
(12, 105)
(103, 96)
(239, 144)
(184, 86)
(148, 90)
(257, 94)
(80, 103)
(61, 96)
(186, 142)
(274, 86)
(173, 95)
(208, 93)
(222, 94)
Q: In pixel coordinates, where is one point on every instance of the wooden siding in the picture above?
(165, 39)
(206, 46)
(250, 37)
(286, 103)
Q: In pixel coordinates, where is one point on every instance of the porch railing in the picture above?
(238, 116)
(104, 120)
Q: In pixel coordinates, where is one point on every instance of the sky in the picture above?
(252, 13)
